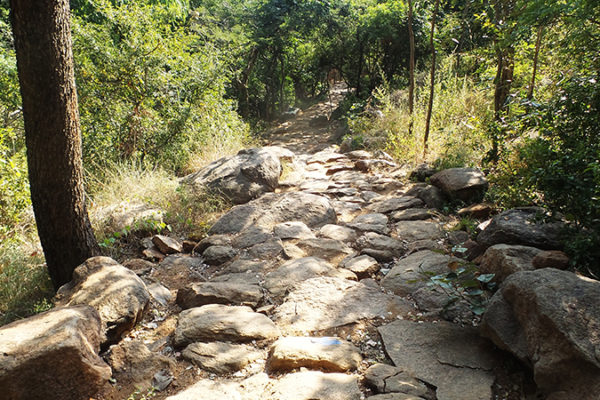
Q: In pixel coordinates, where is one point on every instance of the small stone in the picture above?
(479, 211)
(188, 246)
(199, 294)
(411, 214)
(325, 353)
(411, 231)
(216, 255)
(213, 240)
(551, 259)
(338, 232)
(293, 230)
(220, 357)
(161, 294)
(386, 379)
(328, 249)
(167, 245)
(363, 266)
(153, 254)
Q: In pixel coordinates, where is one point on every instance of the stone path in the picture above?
(313, 291)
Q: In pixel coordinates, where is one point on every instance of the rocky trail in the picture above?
(314, 287)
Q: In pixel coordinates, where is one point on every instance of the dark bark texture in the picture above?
(45, 65)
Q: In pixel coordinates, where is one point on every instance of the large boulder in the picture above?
(466, 184)
(272, 209)
(243, 177)
(53, 355)
(523, 226)
(503, 260)
(550, 320)
(117, 293)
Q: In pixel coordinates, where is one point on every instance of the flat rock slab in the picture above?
(326, 302)
(375, 222)
(328, 249)
(454, 359)
(116, 292)
(220, 357)
(167, 245)
(217, 255)
(385, 378)
(132, 361)
(363, 266)
(297, 270)
(467, 184)
(224, 323)
(293, 230)
(325, 353)
(338, 232)
(313, 385)
(394, 396)
(395, 204)
(53, 355)
(272, 209)
(411, 214)
(409, 274)
(503, 260)
(412, 231)
(200, 294)
(310, 385)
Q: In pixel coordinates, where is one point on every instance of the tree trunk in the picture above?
(360, 62)
(432, 79)
(538, 44)
(411, 63)
(53, 137)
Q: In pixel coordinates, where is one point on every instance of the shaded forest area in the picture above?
(164, 86)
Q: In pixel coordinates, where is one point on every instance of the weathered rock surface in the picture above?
(389, 379)
(293, 230)
(53, 355)
(325, 302)
(252, 388)
(200, 294)
(220, 357)
(395, 204)
(338, 232)
(224, 323)
(251, 237)
(363, 266)
(431, 195)
(411, 214)
(133, 362)
(116, 292)
(550, 259)
(297, 270)
(375, 222)
(313, 385)
(407, 275)
(521, 226)
(550, 319)
(411, 231)
(394, 396)
(454, 359)
(167, 245)
(503, 260)
(466, 184)
(328, 249)
(272, 209)
(325, 353)
(243, 177)
(217, 255)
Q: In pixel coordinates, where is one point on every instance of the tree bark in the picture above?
(52, 133)
(538, 44)
(411, 63)
(432, 79)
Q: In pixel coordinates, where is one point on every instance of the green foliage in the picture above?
(464, 283)
(25, 287)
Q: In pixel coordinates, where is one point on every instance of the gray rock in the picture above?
(217, 255)
(325, 353)
(551, 259)
(522, 226)
(431, 195)
(503, 260)
(241, 265)
(388, 379)
(359, 155)
(178, 268)
(454, 359)
(326, 302)
(243, 177)
(239, 278)
(223, 323)
(395, 204)
(550, 319)
(132, 361)
(411, 214)
(338, 232)
(200, 294)
(375, 222)
(293, 230)
(272, 209)
(408, 274)
(251, 388)
(159, 293)
(411, 231)
(480, 211)
(117, 293)
(466, 184)
(251, 236)
(313, 385)
(421, 172)
(214, 240)
(268, 250)
(374, 240)
(167, 245)
(297, 270)
(363, 266)
(53, 355)
(220, 357)
(328, 249)
(394, 396)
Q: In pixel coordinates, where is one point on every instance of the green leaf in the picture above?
(485, 278)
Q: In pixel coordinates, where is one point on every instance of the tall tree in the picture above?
(432, 78)
(411, 71)
(45, 65)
